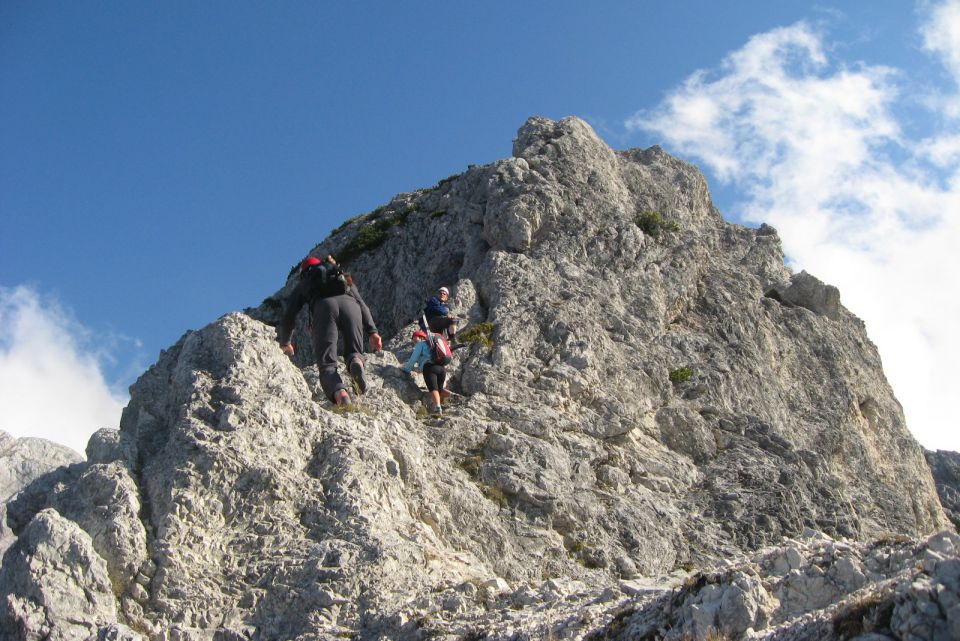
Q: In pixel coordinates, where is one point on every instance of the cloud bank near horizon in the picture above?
(51, 372)
(816, 149)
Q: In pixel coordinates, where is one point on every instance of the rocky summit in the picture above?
(658, 432)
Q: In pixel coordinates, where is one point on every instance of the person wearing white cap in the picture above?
(438, 315)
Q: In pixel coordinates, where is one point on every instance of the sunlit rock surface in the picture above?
(648, 392)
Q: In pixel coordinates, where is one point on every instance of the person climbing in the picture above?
(434, 375)
(369, 327)
(336, 310)
(439, 318)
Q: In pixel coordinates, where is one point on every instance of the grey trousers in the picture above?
(333, 317)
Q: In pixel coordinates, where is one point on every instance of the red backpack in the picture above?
(440, 352)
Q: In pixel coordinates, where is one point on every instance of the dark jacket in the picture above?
(369, 327)
(299, 297)
(436, 308)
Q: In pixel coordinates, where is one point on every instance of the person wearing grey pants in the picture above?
(330, 316)
(336, 310)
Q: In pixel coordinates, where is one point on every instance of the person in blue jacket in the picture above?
(433, 375)
(438, 315)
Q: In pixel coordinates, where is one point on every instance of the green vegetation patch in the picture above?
(376, 212)
(653, 224)
(481, 333)
(374, 234)
(680, 375)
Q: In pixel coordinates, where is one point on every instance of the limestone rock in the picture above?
(808, 291)
(898, 590)
(53, 584)
(22, 461)
(945, 467)
(633, 402)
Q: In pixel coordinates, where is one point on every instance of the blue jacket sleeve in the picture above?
(436, 308)
(415, 357)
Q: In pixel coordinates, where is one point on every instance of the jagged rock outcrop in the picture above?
(945, 467)
(22, 461)
(56, 584)
(648, 389)
(812, 589)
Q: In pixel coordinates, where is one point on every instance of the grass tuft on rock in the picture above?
(481, 333)
(374, 234)
(654, 224)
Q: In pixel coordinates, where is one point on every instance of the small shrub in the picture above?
(481, 333)
(348, 221)
(680, 375)
(438, 213)
(653, 224)
(373, 235)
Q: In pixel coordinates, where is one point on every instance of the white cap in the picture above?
(444, 290)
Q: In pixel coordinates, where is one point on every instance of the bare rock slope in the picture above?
(22, 461)
(647, 390)
(945, 467)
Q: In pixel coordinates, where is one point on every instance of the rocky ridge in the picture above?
(22, 461)
(651, 391)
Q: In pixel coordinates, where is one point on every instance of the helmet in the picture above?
(419, 334)
(309, 262)
(443, 290)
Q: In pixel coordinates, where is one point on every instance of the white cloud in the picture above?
(940, 31)
(943, 152)
(941, 35)
(51, 382)
(816, 151)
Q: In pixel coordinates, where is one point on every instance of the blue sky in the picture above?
(164, 163)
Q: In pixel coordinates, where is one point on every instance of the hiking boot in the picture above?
(357, 372)
(436, 410)
(341, 397)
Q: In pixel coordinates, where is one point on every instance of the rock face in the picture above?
(646, 389)
(813, 589)
(57, 585)
(22, 461)
(945, 467)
